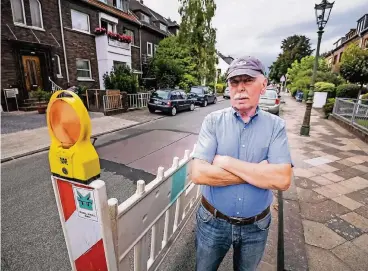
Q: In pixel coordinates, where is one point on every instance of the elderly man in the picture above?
(241, 154)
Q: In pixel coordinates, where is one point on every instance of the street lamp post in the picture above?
(323, 11)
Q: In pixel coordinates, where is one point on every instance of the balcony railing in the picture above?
(116, 43)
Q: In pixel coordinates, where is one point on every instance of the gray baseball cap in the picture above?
(245, 65)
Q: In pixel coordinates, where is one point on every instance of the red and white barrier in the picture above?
(84, 216)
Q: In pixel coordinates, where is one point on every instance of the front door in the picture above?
(32, 72)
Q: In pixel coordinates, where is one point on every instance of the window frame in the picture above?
(143, 15)
(161, 24)
(88, 21)
(89, 66)
(149, 54)
(40, 12)
(59, 73)
(23, 13)
(155, 46)
(125, 29)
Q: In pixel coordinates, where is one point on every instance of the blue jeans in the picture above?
(214, 237)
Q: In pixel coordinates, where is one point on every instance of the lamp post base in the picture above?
(304, 130)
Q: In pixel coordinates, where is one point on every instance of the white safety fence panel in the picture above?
(138, 100)
(112, 102)
(159, 210)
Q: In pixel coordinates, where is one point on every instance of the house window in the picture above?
(118, 64)
(58, 66)
(145, 18)
(335, 59)
(340, 56)
(155, 48)
(80, 21)
(108, 26)
(129, 32)
(36, 13)
(149, 49)
(17, 7)
(163, 27)
(83, 69)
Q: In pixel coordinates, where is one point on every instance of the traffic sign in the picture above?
(282, 79)
(72, 155)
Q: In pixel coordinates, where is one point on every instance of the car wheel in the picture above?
(215, 101)
(152, 110)
(191, 108)
(205, 103)
(173, 111)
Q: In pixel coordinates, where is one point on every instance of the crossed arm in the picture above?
(226, 170)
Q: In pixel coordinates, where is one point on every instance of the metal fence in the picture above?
(138, 100)
(353, 111)
(112, 102)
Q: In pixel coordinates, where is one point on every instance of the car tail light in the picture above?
(277, 101)
(168, 103)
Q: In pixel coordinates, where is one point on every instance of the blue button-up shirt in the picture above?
(262, 138)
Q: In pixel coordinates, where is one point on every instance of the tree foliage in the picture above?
(173, 64)
(294, 48)
(300, 74)
(121, 78)
(197, 32)
(354, 65)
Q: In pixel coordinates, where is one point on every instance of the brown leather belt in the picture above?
(234, 220)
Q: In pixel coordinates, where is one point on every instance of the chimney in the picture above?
(141, 1)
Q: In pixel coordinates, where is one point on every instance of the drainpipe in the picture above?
(140, 49)
(63, 41)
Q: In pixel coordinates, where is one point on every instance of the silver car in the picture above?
(227, 93)
(270, 102)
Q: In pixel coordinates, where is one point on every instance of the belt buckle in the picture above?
(237, 221)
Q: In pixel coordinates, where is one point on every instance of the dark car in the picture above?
(170, 101)
(203, 95)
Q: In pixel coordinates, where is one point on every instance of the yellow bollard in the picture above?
(72, 155)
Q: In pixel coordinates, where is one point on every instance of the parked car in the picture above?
(270, 102)
(227, 93)
(170, 101)
(203, 95)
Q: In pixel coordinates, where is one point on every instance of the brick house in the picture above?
(90, 56)
(154, 28)
(45, 40)
(31, 46)
(358, 35)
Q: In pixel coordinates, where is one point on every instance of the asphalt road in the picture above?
(31, 236)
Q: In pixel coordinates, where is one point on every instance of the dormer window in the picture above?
(163, 27)
(145, 18)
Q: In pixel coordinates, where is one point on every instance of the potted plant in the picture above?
(113, 36)
(100, 31)
(42, 97)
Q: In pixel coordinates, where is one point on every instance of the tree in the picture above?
(120, 78)
(354, 65)
(197, 32)
(294, 48)
(173, 64)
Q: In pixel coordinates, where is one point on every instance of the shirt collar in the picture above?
(236, 113)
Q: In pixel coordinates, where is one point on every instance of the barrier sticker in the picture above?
(85, 202)
(178, 182)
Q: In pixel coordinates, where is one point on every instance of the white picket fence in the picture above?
(149, 221)
(138, 100)
(112, 102)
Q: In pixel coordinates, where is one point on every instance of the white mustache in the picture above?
(239, 97)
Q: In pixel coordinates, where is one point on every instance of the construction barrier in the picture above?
(99, 233)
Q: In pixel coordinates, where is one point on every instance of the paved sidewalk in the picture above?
(331, 190)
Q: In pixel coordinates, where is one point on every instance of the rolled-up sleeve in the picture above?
(206, 147)
(279, 152)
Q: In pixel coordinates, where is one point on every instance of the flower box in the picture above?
(100, 31)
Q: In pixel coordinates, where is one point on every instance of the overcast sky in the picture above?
(257, 27)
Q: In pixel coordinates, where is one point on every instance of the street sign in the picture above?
(11, 93)
(282, 79)
(72, 155)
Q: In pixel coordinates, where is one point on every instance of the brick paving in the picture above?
(331, 185)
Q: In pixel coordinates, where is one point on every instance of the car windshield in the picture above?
(160, 94)
(196, 90)
(270, 94)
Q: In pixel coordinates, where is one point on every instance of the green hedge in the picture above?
(326, 87)
(328, 107)
(347, 91)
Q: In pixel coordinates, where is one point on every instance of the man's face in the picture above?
(246, 90)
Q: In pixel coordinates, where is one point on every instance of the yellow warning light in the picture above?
(72, 155)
